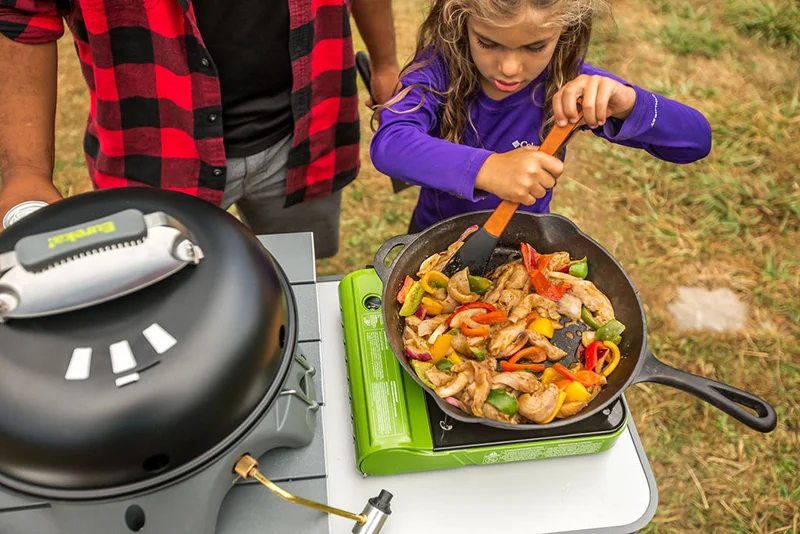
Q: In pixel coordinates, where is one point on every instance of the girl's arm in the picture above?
(665, 128)
(405, 146)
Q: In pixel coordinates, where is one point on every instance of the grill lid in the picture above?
(144, 332)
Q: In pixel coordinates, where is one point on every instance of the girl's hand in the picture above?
(602, 98)
(522, 175)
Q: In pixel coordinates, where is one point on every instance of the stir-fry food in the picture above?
(484, 344)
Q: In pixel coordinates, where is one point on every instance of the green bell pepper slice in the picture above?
(588, 318)
(579, 269)
(479, 284)
(444, 365)
(413, 300)
(611, 331)
(420, 368)
(479, 353)
(502, 401)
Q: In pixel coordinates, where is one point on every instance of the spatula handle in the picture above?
(559, 135)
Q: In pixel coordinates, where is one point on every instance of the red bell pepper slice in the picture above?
(474, 332)
(564, 371)
(528, 256)
(494, 317)
(528, 352)
(485, 305)
(585, 377)
(547, 289)
(589, 378)
(535, 267)
(594, 353)
(401, 295)
(530, 318)
(511, 367)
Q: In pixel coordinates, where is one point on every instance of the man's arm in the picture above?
(376, 26)
(28, 80)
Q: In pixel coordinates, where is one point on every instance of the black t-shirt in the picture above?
(249, 43)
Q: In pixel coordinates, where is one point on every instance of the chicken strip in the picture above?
(454, 387)
(519, 277)
(438, 378)
(524, 382)
(504, 273)
(558, 261)
(508, 340)
(458, 288)
(491, 412)
(540, 406)
(571, 408)
(483, 385)
(461, 344)
(413, 342)
(509, 298)
(590, 296)
(544, 307)
(538, 340)
(428, 326)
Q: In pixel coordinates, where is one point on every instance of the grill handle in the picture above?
(84, 265)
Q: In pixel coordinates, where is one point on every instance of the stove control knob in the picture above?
(378, 510)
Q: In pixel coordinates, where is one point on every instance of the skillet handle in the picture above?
(727, 398)
(380, 256)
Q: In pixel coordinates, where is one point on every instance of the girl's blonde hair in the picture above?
(443, 35)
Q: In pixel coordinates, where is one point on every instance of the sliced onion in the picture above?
(468, 231)
(420, 313)
(454, 401)
(460, 316)
(570, 306)
(438, 332)
(421, 356)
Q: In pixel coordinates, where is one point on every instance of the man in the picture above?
(251, 102)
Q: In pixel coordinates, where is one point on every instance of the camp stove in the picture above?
(398, 428)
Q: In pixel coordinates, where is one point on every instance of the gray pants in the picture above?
(257, 185)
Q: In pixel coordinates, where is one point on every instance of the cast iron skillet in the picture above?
(549, 233)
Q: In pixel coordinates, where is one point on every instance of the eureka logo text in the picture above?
(81, 233)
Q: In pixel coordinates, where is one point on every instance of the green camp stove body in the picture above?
(399, 428)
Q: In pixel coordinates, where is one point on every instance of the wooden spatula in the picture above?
(478, 247)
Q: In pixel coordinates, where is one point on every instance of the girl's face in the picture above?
(511, 56)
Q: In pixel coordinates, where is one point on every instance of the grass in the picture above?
(776, 23)
(731, 220)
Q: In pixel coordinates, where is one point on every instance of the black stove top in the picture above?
(451, 434)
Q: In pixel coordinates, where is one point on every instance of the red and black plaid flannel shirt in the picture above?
(156, 115)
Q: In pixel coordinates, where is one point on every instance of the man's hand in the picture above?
(384, 83)
(523, 175)
(24, 186)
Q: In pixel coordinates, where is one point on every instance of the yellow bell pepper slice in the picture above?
(440, 348)
(576, 392)
(561, 396)
(615, 357)
(434, 280)
(544, 326)
(455, 358)
(431, 306)
(550, 376)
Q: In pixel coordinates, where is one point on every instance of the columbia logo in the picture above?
(517, 144)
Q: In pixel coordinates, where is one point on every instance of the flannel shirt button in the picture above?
(205, 62)
(217, 172)
(212, 117)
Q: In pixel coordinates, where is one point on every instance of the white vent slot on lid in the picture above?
(122, 357)
(159, 339)
(80, 364)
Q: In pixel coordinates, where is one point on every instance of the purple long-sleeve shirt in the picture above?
(407, 147)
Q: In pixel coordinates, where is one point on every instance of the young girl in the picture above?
(489, 79)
